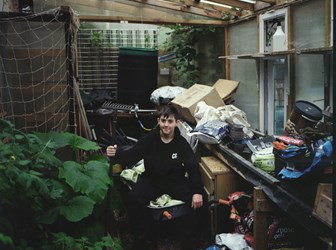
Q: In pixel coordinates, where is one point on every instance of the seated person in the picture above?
(167, 158)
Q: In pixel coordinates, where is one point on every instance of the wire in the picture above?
(140, 123)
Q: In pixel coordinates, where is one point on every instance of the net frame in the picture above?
(38, 86)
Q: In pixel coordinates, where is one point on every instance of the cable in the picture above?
(140, 123)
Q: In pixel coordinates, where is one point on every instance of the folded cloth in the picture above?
(164, 201)
(133, 173)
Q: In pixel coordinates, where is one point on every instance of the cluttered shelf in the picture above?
(283, 194)
(287, 170)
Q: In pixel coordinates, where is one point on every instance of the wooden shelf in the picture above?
(298, 51)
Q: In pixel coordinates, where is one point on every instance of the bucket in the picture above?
(174, 211)
(304, 114)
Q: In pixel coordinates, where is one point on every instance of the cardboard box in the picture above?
(187, 101)
(226, 88)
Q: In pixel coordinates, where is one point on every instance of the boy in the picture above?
(167, 157)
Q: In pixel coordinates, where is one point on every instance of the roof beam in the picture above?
(136, 12)
(268, 1)
(198, 4)
(158, 21)
(178, 6)
(237, 4)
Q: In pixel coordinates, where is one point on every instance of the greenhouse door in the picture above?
(274, 94)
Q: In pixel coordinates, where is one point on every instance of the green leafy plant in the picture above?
(96, 39)
(182, 41)
(147, 41)
(46, 194)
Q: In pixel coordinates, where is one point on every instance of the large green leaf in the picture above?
(32, 182)
(48, 217)
(6, 241)
(77, 142)
(63, 139)
(91, 179)
(77, 208)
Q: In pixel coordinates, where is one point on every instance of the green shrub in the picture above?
(48, 199)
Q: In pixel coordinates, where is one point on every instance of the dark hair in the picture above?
(167, 110)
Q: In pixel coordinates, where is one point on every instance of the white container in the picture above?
(279, 42)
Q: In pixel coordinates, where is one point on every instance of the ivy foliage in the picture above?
(182, 41)
(46, 200)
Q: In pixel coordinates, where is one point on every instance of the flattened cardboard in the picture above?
(226, 88)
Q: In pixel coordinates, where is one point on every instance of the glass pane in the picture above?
(279, 82)
(309, 24)
(310, 78)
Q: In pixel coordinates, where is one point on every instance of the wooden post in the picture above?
(262, 207)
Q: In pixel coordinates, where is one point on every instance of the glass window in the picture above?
(310, 77)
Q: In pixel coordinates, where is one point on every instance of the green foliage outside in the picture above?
(182, 41)
(96, 39)
(50, 203)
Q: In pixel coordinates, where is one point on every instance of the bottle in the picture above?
(279, 42)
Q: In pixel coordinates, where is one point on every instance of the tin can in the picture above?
(303, 115)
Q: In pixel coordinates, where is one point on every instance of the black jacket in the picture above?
(165, 163)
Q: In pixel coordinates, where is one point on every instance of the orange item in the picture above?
(279, 145)
(167, 215)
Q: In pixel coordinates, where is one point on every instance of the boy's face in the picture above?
(167, 124)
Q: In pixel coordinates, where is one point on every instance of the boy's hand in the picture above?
(197, 201)
(111, 151)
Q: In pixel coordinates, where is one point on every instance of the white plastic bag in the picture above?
(166, 93)
(232, 241)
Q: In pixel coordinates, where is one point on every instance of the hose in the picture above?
(140, 123)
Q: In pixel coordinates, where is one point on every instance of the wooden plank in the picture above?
(290, 43)
(261, 201)
(268, 1)
(183, 8)
(163, 20)
(132, 12)
(260, 214)
(206, 6)
(235, 3)
(320, 50)
(227, 52)
(327, 23)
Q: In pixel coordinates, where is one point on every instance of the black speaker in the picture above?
(137, 76)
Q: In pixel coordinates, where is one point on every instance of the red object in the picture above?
(290, 140)
(167, 215)
(249, 238)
